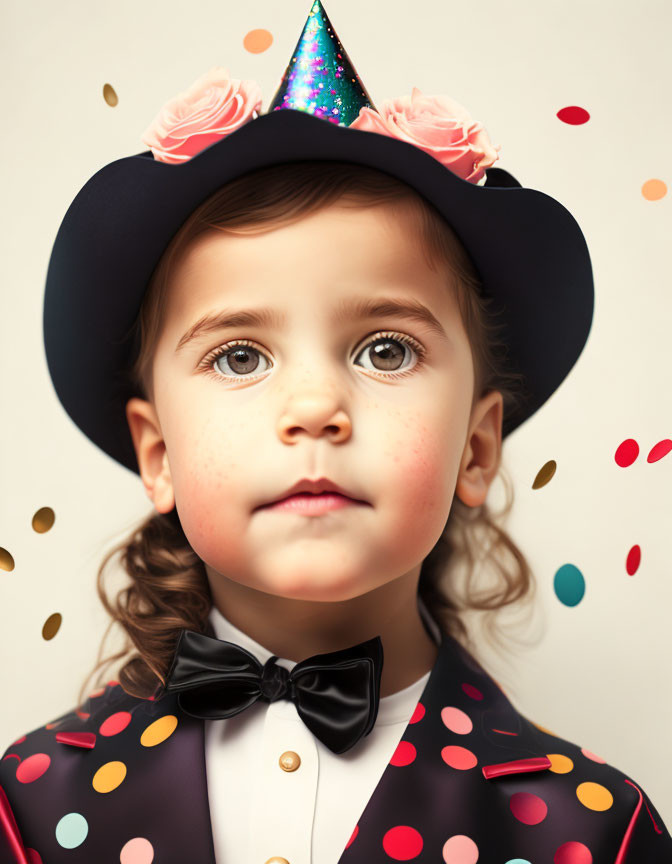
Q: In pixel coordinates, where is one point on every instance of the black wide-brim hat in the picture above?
(527, 248)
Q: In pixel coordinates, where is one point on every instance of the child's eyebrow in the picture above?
(379, 307)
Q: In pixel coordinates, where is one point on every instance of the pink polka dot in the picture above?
(19, 740)
(456, 720)
(115, 723)
(32, 767)
(402, 843)
(137, 851)
(352, 836)
(528, 808)
(458, 757)
(460, 849)
(592, 756)
(572, 853)
(404, 754)
(418, 713)
(33, 857)
(472, 692)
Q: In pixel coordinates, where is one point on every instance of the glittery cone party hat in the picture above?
(320, 78)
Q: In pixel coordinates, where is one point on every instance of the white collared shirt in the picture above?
(259, 810)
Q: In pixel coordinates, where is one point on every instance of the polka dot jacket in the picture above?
(123, 781)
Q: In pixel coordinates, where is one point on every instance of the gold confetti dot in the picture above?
(6, 560)
(654, 189)
(43, 519)
(52, 626)
(109, 95)
(544, 474)
(257, 41)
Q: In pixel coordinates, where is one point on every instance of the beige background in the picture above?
(597, 674)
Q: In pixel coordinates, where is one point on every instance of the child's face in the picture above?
(316, 404)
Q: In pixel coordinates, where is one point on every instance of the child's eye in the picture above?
(386, 352)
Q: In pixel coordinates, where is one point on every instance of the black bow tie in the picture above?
(336, 694)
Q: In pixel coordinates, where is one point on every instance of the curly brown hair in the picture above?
(168, 588)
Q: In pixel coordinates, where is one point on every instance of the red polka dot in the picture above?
(458, 757)
(418, 713)
(19, 740)
(352, 836)
(573, 114)
(626, 452)
(633, 560)
(402, 843)
(115, 723)
(32, 767)
(11, 756)
(528, 808)
(404, 754)
(662, 448)
(472, 691)
(33, 857)
(572, 853)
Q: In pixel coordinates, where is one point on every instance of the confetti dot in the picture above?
(458, 757)
(460, 849)
(32, 767)
(352, 836)
(633, 560)
(110, 95)
(572, 853)
(626, 452)
(43, 520)
(33, 856)
(517, 861)
(569, 585)
(115, 723)
(594, 796)
(109, 776)
(404, 754)
(257, 41)
(654, 190)
(528, 808)
(573, 115)
(560, 764)
(402, 843)
(418, 713)
(137, 851)
(589, 755)
(6, 560)
(457, 721)
(662, 448)
(71, 830)
(544, 474)
(472, 692)
(51, 626)
(159, 730)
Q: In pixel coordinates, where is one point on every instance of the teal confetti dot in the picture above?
(518, 861)
(569, 585)
(71, 830)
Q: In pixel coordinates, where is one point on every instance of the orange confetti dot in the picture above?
(257, 41)
(654, 189)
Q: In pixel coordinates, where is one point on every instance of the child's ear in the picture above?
(150, 451)
(482, 450)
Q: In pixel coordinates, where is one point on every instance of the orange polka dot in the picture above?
(560, 764)
(594, 796)
(109, 776)
(458, 757)
(159, 730)
(654, 189)
(257, 41)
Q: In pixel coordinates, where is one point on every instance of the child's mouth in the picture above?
(309, 504)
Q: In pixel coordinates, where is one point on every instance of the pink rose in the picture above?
(438, 125)
(213, 107)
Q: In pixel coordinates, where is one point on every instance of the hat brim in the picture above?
(528, 249)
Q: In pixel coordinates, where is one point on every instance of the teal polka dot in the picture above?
(518, 861)
(569, 585)
(71, 830)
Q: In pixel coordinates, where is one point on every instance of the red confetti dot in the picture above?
(662, 448)
(115, 723)
(472, 691)
(404, 754)
(573, 115)
(572, 853)
(626, 452)
(418, 713)
(633, 560)
(402, 843)
(528, 808)
(352, 836)
(32, 767)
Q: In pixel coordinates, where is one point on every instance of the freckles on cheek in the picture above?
(421, 478)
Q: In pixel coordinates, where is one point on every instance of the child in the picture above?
(299, 693)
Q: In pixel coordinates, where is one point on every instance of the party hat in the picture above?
(320, 78)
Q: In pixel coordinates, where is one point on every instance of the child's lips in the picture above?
(310, 504)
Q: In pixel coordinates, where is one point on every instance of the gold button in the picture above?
(289, 761)
(276, 859)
